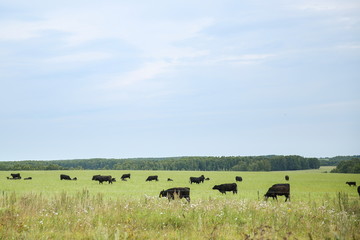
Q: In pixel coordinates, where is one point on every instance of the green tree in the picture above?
(350, 166)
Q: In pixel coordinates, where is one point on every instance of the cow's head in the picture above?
(162, 194)
(216, 187)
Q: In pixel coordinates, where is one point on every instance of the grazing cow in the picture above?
(15, 175)
(124, 176)
(351, 183)
(287, 178)
(75, 178)
(227, 187)
(102, 179)
(170, 180)
(180, 192)
(28, 178)
(278, 190)
(238, 179)
(64, 177)
(151, 178)
(358, 190)
(197, 180)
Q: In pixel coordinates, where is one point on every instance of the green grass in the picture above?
(313, 183)
(322, 206)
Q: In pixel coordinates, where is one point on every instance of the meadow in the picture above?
(322, 206)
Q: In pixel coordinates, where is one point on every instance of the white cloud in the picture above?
(241, 59)
(326, 5)
(80, 57)
(349, 46)
(147, 71)
(154, 40)
(18, 30)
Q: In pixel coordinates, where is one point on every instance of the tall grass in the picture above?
(87, 215)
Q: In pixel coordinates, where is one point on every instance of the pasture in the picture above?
(322, 206)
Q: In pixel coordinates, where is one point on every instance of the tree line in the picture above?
(231, 163)
(334, 161)
(349, 166)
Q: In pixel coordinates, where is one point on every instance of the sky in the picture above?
(124, 79)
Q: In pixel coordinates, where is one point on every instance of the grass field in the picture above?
(322, 206)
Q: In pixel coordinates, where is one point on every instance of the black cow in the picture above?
(238, 179)
(124, 176)
(197, 179)
(287, 178)
(358, 190)
(170, 180)
(64, 177)
(102, 179)
(151, 178)
(180, 192)
(278, 190)
(351, 183)
(15, 175)
(28, 178)
(227, 187)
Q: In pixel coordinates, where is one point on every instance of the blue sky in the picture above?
(118, 79)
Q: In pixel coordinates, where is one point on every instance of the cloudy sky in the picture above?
(118, 79)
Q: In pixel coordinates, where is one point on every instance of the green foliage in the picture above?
(350, 166)
(232, 163)
(334, 161)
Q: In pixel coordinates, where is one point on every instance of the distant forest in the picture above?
(235, 163)
(348, 166)
(334, 161)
